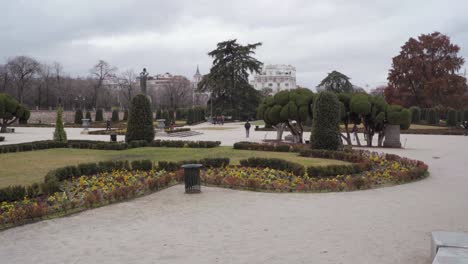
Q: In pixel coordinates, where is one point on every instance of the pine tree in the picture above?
(59, 134)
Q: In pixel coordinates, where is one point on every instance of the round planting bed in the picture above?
(76, 188)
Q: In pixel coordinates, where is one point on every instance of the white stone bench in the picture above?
(449, 247)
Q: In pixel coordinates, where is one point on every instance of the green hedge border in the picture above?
(102, 145)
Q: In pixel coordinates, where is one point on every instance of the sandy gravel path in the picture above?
(387, 225)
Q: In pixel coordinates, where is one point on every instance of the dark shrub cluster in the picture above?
(176, 130)
(90, 144)
(38, 145)
(99, 115)
(12, 193)
(115, 116)
(262, 147)
(451, 117)
(182, 143)
(349, 156)
(195, 115)
(277, 164)
(415, 114)
(333, 170)
(432, 116)
(79, 117)
(143, 165)
(207, 163)
(88, 116)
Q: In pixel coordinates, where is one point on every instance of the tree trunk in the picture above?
(355, 129)
(348, 136)
(381, 138)
(279, 131)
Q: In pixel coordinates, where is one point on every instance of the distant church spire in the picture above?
(198, 71)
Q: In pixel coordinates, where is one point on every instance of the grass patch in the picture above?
(29, 167)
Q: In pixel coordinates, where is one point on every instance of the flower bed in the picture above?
(76, 188)
(383, 170)
(85, 192)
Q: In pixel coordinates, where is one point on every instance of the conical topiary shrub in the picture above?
(115, 116)
(59, 134)
(325, 127)
(79, 117)
(88, 116)
(99, 116)
(140, 121)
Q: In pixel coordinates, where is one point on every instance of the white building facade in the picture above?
(276, 77)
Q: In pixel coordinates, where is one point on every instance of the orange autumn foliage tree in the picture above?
(426, 74)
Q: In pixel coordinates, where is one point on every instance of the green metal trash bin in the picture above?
(192, 178)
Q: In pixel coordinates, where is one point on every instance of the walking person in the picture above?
(465, 126)
(247, 128)
(108, 125)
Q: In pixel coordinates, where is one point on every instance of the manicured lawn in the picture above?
(29, 167)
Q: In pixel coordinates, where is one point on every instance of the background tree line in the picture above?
(45, 85)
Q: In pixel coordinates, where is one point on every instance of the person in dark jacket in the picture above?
(465, 126)
(247, 128)
(108, 125)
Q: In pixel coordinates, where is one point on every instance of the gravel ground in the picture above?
(386, 225)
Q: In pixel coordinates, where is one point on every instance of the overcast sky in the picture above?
(357, 38)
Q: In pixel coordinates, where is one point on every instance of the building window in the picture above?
(287, 84)
(270, 84)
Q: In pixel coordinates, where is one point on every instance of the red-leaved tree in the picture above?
(426, 73)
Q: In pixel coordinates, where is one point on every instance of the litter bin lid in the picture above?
(192, 166)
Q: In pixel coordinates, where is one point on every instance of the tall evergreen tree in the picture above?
(59, 134)
(336, 82)
(228, 80)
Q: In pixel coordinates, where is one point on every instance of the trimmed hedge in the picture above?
(89, 144)
(264, 147)
(451, 118)
(333, 170)
(432, 117)
(354, 156)
(278, 164)
(415, 114)
(207, 163)
(177, 130)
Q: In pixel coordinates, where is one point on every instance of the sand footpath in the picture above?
(387, 225)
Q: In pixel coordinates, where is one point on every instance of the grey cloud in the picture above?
(358, 38)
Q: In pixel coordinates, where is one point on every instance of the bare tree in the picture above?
(127, 82)
(101, 71)
(58, 72)
(46, 79)
(177, 92)
(22, 70)
(4, 78)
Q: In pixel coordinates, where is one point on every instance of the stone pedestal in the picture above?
(392, 136)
